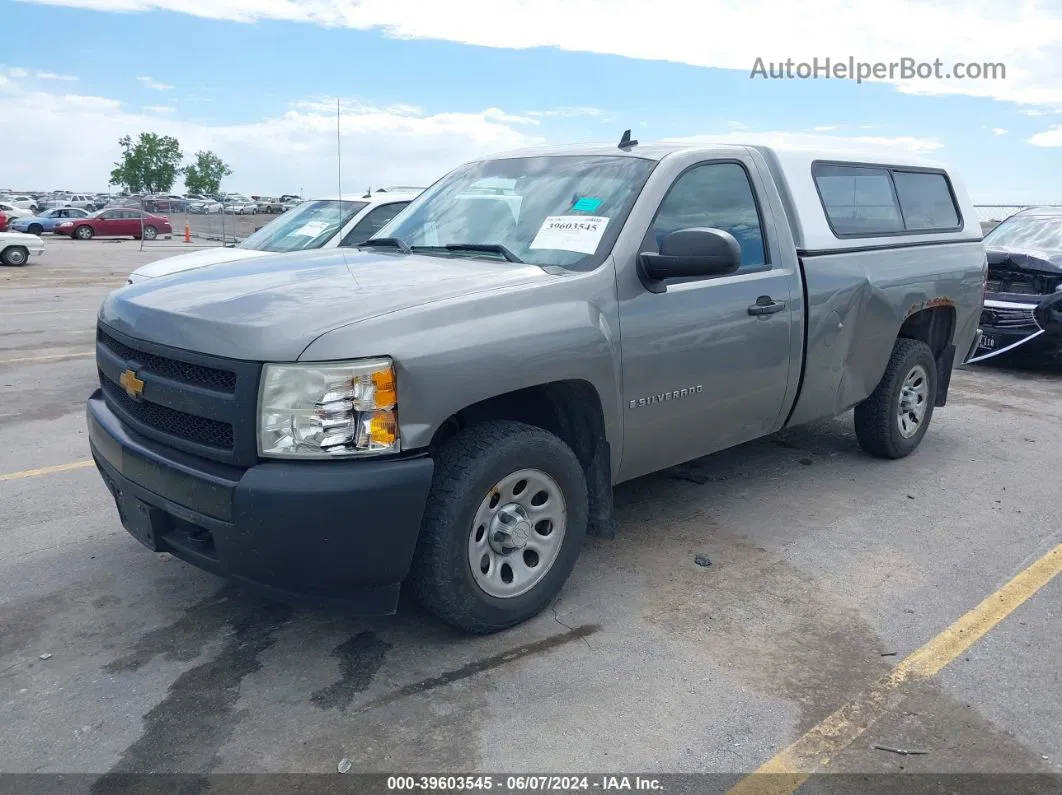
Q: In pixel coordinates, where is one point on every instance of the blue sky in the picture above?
(257, 81)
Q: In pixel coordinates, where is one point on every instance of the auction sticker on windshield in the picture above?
(580, 233)
(312, 229)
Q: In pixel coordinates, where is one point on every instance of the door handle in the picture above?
(765, 305)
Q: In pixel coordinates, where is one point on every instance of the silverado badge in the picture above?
(132, 385)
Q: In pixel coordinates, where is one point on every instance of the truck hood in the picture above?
(271, 308)
(194, 259)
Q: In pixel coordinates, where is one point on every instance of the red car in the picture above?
(3, 222)
(116, 223)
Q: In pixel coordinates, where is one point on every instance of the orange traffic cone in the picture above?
(187, 233)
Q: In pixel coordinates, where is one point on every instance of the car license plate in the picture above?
(136, 517)
(988, 343)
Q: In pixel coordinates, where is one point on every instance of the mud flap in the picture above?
(601, 523)
(945, 362)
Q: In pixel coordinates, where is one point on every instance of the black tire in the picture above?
(467, 467)
(90, 208)
(877, 419)
(150, 233)
(35, 229)
(15, 256)
(83, 233)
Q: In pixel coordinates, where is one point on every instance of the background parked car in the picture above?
(161, 203)
(22, 202)
(116, 223)
(328, 222)
(205, 207)
(83, 201)
(16, 247)
(47, 220)
(268, 204)
(12, 212)
(240, 205)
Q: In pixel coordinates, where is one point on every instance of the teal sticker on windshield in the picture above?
(587, 204)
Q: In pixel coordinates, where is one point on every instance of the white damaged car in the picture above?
(17, 247)
(315, 223)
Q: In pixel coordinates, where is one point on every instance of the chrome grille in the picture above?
(1010, 319)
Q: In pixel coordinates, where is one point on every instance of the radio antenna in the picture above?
(339, 168)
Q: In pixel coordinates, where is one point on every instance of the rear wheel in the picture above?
(83, 233)
(15, 256)
(503, 526)
(35, 229)
(892, 421)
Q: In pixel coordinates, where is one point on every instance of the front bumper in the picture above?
(1020, 327)
(324, 532)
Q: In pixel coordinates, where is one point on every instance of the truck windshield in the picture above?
(1035, 232)
(309, 225)
(563, 211)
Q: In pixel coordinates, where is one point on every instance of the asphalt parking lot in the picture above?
(829, 569)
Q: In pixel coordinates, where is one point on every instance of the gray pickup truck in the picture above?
(450, 403)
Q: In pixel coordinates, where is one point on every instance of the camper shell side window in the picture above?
(877, 200)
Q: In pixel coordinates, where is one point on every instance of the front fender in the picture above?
(452, 354)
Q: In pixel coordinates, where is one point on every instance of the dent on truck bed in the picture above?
(857, 304)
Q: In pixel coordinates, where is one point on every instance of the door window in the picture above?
(372, 223)
(717, 196)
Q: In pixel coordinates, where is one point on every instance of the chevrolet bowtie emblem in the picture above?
(132, 385)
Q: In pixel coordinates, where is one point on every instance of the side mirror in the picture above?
(690, 252)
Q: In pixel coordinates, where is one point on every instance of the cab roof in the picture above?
(824, 148)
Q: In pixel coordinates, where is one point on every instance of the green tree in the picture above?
(205, 174)
(150, 165)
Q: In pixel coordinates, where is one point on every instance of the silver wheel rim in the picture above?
(149, 233)
(84, 233)
(16, 257)
(914, 399)
(517, 533)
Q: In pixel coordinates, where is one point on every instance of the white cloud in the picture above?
(154, 84)
(825, 128)
(1026, 36)
(17, 72)
(499, 115)
(159, 108)
(1052, 137)
(282, 154)
(54, 76)
(566, 112)
(998, 131)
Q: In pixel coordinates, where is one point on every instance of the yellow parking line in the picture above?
(48, 357)
(32, 473)
(814, 750)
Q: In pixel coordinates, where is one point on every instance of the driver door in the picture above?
(703, 367)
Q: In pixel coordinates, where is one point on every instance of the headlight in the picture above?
(328, 410)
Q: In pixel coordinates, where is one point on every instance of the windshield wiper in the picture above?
(488, 248)
(386, 242)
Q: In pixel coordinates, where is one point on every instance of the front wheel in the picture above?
(892, 421)
(83, 233)
(35, 229)
(150, 233)
(503, 526)
(15, 256)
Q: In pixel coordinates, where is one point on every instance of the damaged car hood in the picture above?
(271, 308)
(1039, 261)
